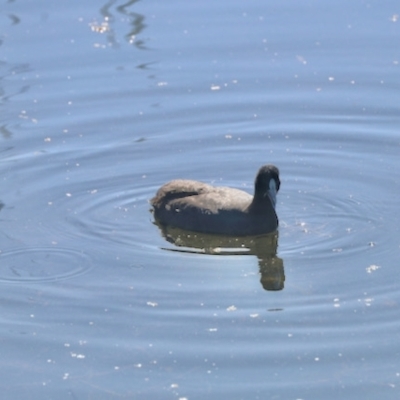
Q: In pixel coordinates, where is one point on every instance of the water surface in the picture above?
(103, 103)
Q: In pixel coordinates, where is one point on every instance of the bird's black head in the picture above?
(267, 182)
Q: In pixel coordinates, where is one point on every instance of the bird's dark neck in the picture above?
(261, 205)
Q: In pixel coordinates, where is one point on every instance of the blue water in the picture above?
(103, 103)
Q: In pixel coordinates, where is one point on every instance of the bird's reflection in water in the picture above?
(264, 247)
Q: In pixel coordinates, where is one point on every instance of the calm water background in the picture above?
(102, 102)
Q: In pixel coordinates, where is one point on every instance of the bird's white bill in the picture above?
(272, 191)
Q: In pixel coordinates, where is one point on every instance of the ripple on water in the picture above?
(44, 264)
(111, 214)
(331, 225)
(337, 208)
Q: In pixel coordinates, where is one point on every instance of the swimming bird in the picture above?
(200, 207)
